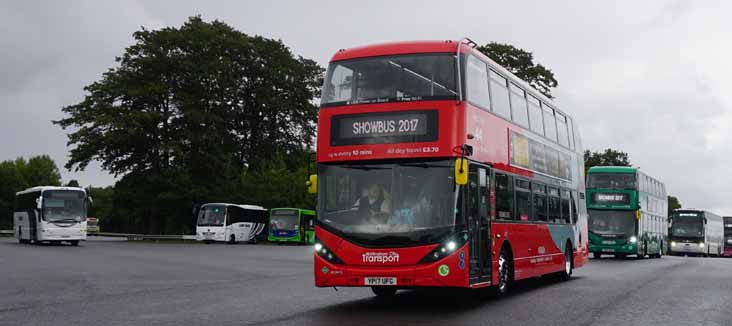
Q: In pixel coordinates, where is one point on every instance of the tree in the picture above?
(39, 171)
(673, 203)
(200, 103)
(21, 174)
(11, 181)
(521, 63)
(609, 157)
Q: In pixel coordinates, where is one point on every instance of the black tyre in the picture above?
(232, 239)
(20, 235)
(384, 292)
(75, 243)
(568, 263)
(643, 252)
(253, 241)
(596, 255)
(505, 273)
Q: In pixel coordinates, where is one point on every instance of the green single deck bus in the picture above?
(291, 225)
(627, 212)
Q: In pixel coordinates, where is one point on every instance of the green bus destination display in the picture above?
(611, 198)
(384, 128)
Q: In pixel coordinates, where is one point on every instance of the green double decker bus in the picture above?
(627, 212)
(291, 225)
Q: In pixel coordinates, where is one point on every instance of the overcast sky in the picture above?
(648, 78)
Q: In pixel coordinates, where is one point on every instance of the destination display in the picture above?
(384, 128)
(611, 198)
(533, 155)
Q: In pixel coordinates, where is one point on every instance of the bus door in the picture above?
(478, 220)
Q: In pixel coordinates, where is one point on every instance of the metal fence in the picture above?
(129, 236)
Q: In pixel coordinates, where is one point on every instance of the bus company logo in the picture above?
(380, 257)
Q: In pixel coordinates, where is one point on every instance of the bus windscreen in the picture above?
(607, 222)
(687, 224)
(611, 181)
(390, 79)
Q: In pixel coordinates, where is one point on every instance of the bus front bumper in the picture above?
(687, 248)
(450, 271)
(623, 248)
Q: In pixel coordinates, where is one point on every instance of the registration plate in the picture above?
(380, 281)
(608, 242)
(608, 250)
(66, 236)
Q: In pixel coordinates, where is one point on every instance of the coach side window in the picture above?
(555, 214)
(562, 130)
(564, 194)
(504, 197)
(523, 200)
(518, 106)
(571, 133)
(535, 117)
(550, 124)
(477, 83)
(540, 207)
(572, 198)
(499, 95)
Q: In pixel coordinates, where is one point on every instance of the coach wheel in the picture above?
(505, 273)
(568, 263)
(596, 255)
(384, 292)
(253, 240)
(232, 239)
(20, 235)
(75, 243)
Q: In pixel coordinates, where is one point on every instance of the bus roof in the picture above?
(44, 188)
(397, 48)
(612, 169)
(243, 206)
(436, 46)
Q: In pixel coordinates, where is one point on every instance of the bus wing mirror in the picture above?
(312, 184)
(196, 207)
(461, 171)
(705, 220)
(39, 202)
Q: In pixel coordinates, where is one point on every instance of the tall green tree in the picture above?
(39, 171)
(200, 103)
(521, 63)
(11, 181)
(673, 203)
(608, 157)
(20, 174)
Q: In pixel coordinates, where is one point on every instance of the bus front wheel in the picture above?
(384, 292)
(232, 239)
(596, 255)
(505, 273)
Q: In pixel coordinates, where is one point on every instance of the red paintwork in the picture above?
(398, 48)
(407, 271)
(490, 141)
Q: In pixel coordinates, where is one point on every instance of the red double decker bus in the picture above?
(436, 167)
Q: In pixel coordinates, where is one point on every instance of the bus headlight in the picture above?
(633, 239)
(673, 243)
(325, 253)
(701, 244)
(447, 247)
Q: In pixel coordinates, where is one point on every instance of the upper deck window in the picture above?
(390, 79)
(499, 93)
(477, 82)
